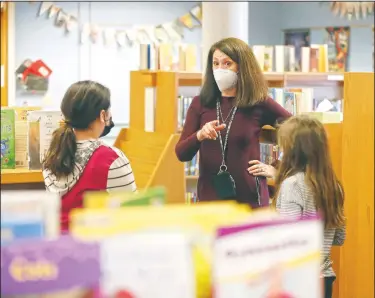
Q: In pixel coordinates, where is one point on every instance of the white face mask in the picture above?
(225, 78)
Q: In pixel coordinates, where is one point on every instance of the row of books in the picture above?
(302, 101)
(169, 57)
(269, 153)
(183, 103)
(192, 167)
(283, 58)
(191, 198)
(118, 249)
(26, 134)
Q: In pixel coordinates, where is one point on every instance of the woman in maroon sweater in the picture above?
(234, 105)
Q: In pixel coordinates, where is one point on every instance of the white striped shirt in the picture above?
(296, 200)
(120, 174)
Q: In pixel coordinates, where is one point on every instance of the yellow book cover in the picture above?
(103, 199)
(98, 223)
(165, 56)
(191, 58)
(21, 133)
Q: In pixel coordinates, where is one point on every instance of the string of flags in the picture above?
(169, 32)
(350, 9)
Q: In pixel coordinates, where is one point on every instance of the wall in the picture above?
(317, 16)
(38, 38)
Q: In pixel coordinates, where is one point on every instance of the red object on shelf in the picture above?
(124, 294)
(40, 69)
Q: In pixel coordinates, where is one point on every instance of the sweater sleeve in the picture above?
(188, 145)
(340, 235)
(120, 175)
(273, 113)
(289, 201)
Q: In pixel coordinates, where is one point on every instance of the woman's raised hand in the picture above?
(209, 130)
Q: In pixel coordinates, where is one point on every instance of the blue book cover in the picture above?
(15, 230)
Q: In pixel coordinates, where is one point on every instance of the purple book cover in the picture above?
(47, 266)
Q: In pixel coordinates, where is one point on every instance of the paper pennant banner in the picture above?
(44, 7)
(187, 20)
(196, 12)
(161, 34)
(142, 37)
(109, 36)
(71, 23)
(121, 38)
(150, 31)
(174, 30)
(94, 33)
(131, 35)
(53, 11)
(85, 33)
(61, 19)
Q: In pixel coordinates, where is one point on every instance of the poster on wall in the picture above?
(338, 48)
(297, 38)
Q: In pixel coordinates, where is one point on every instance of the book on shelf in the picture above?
(269, 153)
(191, 198)
(8, 156)
(64, 267)
(41, 125)
(302, 101)
(29, 214)
(141, 251)
(192, 167)
(182, 108)
(285, 263)
(21, 130)
(282, 58)
(168, 57)
(154, 196)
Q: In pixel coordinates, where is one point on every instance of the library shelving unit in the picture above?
(152, 153)
(153, 100)
(357, 255)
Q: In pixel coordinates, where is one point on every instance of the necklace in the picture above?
(221, 114)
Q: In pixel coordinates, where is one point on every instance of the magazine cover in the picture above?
(338, 48)
(267, 258)
(289, 102)
(58, 268)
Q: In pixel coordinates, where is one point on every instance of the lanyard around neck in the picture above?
(223, 146)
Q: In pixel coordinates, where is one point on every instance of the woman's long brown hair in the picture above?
(304, 143)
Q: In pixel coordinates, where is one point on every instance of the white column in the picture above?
(221, 20)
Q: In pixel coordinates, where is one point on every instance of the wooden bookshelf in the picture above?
(356, 276)
(152, 154)
(21, 176)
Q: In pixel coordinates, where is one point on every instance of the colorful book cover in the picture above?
(42, 124)
(32, 206)
(156, 264)
(99, 223)
(151, 197)
(289, 102)
(21, 132)
(12, 230)
(63, 267)
(8, 154)
(268, 258)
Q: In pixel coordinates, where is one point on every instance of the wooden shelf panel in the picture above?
(20, 176)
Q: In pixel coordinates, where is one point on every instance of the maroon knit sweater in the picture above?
(243, 146)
